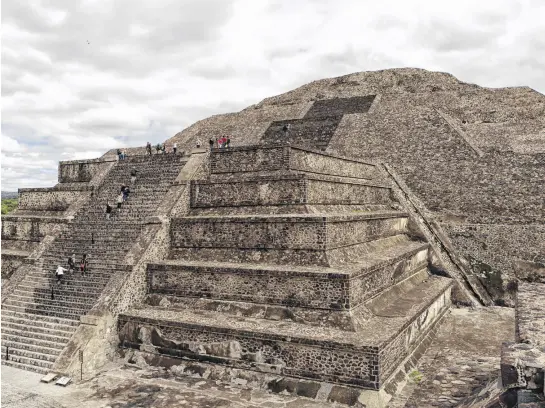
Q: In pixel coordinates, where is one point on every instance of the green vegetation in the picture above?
(8, 205)
(415, 376)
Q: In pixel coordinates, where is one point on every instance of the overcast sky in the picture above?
(81, 77)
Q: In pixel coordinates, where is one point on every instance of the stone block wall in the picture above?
(29, 228)
(286, 190)
(259, 285)
(10, 263)
(81, 171)
(335, 362)
(252, 159)
(51, 199)
(310, 233)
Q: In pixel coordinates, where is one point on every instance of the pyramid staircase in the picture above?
(39, 317)
(291, 262)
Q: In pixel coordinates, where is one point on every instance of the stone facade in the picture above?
(251, 285)
(471, 155)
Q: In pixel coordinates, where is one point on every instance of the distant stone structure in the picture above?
(319, 253)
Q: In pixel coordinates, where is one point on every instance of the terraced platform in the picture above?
(282, 268)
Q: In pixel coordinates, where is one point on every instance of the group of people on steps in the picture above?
(122, 196)
(222, 143)
(161, 148)
(83, 266)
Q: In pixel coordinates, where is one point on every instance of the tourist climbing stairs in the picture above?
(40, 316)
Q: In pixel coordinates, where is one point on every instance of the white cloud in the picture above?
(81, 77)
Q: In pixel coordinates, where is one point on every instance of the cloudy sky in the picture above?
(81, 77)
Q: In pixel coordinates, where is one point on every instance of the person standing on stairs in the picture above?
(148, 148)
(174, 148)
(227, 142)
(125, 193)
(108, 210)
(83, 264)
(71, 263)
(59, 273)
(119, 202)
(133, 176)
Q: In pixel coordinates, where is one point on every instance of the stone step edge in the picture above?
(21, 329)
(38, 343)
(26, 367)
(352, 271)
(22, 352)
(17, 315)
(236, 179)
(265, 218)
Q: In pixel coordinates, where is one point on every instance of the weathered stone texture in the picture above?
(499, 254)
(28, 228)
(530, 314)
(81, 171)
(51, 199)
(472, 155)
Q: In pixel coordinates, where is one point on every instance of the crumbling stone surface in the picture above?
(530, 314)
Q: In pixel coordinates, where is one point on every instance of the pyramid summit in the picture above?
(318, 254)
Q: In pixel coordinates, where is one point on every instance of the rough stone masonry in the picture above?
(315, 255)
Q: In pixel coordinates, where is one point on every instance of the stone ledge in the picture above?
(59, 187)
(303, 351)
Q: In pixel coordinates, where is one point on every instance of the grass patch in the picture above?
(8, 205)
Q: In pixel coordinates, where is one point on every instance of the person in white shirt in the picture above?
(59, 273)
(175, 147)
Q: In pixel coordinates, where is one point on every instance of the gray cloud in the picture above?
(154, 68)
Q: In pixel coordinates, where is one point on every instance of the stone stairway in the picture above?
(39, 317)
(295, 263)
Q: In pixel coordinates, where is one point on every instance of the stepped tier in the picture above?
(293, 193)
(303, 286)
(313, 239)
(249, 161)
(401, 319)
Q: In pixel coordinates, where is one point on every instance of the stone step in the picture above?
(366, 357)
(58, 301)
(94, 284)
(32, 343)
(35, 332)
(27, 367)
(44, 354)
(52, 306)
(312, 287)
(286, 190)
(61, 290)
(31, 320)
(64, 313)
